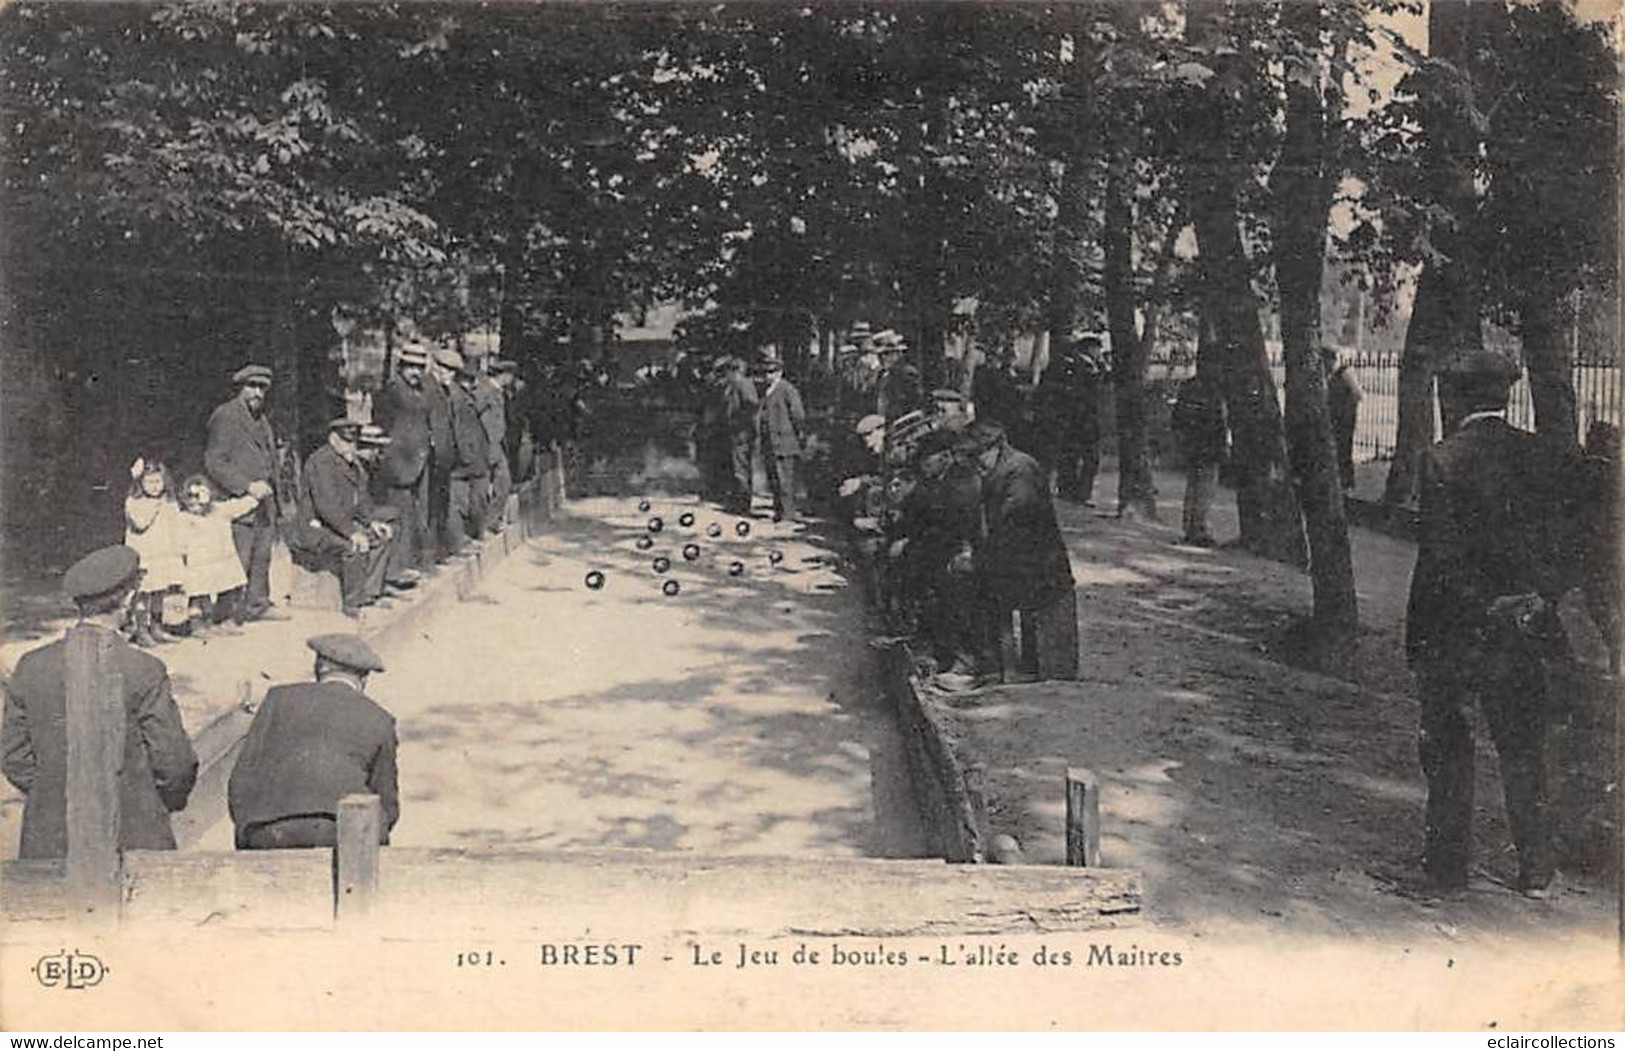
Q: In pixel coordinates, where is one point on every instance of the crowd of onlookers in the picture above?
(376, 503)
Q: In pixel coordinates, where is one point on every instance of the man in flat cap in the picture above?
(437, 383)
(339, 528)
(240, 458)
(471, 466)
(310, 745)
(781, 425)
(158, 768)
(403, 410)
(1491, 566)
(1022, 561)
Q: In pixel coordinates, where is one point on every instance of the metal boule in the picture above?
(685, 519)
(713, 530)
(643, 505)
(742, 528)
(736, 569)
(691, 552)
(661, 564)
(671, 587)
(595, 580)
(645, 543)
(656, 524)
(776, 557)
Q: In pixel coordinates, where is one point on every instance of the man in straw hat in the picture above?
(158, 766)
(403, 410)
(310, 745)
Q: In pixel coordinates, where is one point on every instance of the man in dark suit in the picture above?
(471, 464)
(740, 408)
(938, 526)
(1490, 569)
(159, 766)
(339, 529)
(310, 745)
(1022, 561)
(241, 460)
(402, 409)
(437, 382)
(781, 424)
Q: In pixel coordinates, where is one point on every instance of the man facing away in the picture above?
(159, 766)
(240, 458)
(310, 745)
(1490, 570)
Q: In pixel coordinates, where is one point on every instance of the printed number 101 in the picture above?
(478, 959)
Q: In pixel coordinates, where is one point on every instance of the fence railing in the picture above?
(1599, 394)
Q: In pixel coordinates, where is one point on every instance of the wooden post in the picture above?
(95, 730)
(1082, 819)
(355, 858)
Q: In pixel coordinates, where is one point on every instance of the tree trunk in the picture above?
(1303, 200)
(1547, 353)
(1270, 525)
(1136, 493)
(1416, 404)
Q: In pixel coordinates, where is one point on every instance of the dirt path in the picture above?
(737, 717)
(1256, 798)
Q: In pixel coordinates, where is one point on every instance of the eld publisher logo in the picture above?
(70, 970)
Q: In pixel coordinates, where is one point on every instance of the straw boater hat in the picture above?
(251, 374)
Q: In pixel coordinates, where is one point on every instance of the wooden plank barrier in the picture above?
(355, 859)
(1082, 819)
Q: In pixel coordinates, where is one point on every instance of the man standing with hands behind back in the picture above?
(781, 424)
(241, 460)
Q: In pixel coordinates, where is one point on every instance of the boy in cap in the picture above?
(310, 745)
(1491, 567)
(159, 766)
(339, 529)
(240, 458)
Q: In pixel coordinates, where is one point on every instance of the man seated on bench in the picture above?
(310, 745)
(339, 528)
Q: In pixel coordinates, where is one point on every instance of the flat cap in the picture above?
(351, 651)
(412, 354)
(870, 423)
(448, 358)
(101, 571)
(249, 373)
(344, 423)
(1482, 366)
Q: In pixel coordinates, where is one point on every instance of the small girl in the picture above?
(150, 528)
(212, 568)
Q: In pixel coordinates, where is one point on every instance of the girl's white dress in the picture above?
(150, 527)
(212, 565)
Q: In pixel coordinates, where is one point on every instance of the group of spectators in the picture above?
(376, 503)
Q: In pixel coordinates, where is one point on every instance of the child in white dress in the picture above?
(151, 528)
(212, 568)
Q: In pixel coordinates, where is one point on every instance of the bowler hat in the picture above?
(101, 572)
(1482, 367)
(351, 651)
(251, 374)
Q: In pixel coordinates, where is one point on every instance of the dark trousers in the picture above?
(465, 516)
(496, 508)
(409, 548)
(1078, 463)
(781, 476)
(438, 512)
(1511, 694)
(360, 573)
(254, 536)
(1343, 431)
(290, 833)
(949, 618)
(739, 474)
